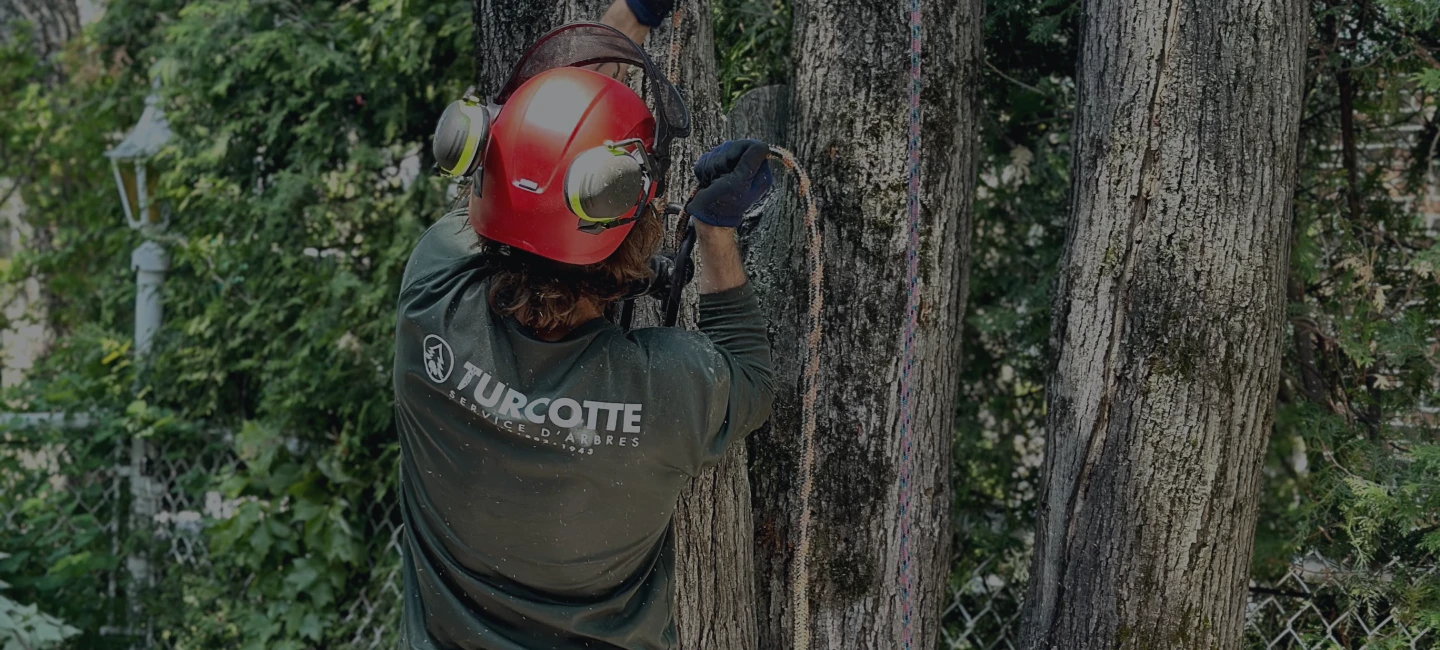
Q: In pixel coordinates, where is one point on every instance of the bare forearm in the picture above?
(620, 17)
(720, 268)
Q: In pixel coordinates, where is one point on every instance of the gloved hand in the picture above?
(651, 12)
(734, 180)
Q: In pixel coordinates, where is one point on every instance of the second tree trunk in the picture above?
(849, 113)
(1168, 323)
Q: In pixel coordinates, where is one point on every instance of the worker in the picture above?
(544, 447)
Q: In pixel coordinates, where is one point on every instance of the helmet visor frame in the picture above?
(586, 44)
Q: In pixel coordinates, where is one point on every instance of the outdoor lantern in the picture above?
(136, 180)
(134, 176)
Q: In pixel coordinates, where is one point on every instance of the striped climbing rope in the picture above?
(907, 345)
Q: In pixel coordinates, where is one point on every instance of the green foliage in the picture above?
(294, 124)
(25, 627)
(54, 493)
(1028, 97)
(1428, 80)
(752, 45)
(1352, 471)
(61, 552)
(299, 130)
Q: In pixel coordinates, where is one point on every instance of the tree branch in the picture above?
(1013, 80)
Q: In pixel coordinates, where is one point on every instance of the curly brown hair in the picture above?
(545, 295)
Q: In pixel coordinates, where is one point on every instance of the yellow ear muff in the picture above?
(460, 137)
(604, 184)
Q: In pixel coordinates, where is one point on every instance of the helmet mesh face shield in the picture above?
(587, 44)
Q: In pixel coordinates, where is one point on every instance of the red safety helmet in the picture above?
(548, 130)
(570, 157)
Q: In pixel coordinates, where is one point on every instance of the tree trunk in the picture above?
(715, 600)
(52, 22)
(1167, 322)
(504, 30)
(715, 574)
(848, 126)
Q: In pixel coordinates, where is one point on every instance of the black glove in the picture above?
(651, 12)
(734, 180)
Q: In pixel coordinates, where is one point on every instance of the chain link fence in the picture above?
(183, 480)
(1309, 608)
(372, 618)
(1314, 605)
(1319, 605)
(73, 496)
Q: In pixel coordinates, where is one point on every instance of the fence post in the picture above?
(142, 515)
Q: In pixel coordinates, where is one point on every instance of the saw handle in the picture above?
(684, 270)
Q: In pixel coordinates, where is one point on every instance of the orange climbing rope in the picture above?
(674, 44)
(800, 567)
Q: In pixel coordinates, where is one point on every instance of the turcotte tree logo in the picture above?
(439, 359)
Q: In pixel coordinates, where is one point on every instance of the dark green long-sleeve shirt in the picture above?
(538, 479)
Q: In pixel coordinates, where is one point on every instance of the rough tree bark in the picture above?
(848, 125)
(52, 22)
(1168, 322)
(715, 593)
(715, 584)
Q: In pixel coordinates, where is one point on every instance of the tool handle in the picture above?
(684, 266)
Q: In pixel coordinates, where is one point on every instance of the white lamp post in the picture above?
(136, 181)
